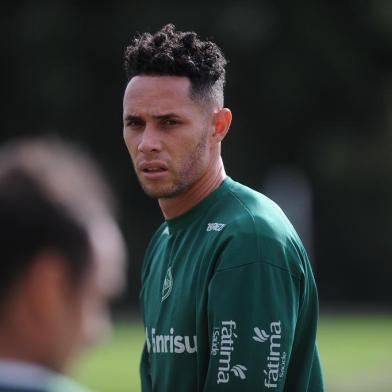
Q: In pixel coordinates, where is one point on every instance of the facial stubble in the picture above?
(192, 169)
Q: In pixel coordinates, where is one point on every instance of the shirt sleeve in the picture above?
(252, 316)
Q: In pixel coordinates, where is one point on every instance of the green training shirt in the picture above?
(229, 300)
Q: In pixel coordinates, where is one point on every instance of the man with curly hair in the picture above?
(228, 296)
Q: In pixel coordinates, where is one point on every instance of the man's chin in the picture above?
(161, 192)
(157, 193)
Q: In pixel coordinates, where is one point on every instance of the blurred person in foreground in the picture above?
(63, 257)
(228, 296)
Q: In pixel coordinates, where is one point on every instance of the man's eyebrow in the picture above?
(131, 117)
(165, 116)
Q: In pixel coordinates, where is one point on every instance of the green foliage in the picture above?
(355, 351)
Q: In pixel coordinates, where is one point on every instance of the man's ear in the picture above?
(222, 121)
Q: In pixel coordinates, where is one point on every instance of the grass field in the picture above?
(356, 353)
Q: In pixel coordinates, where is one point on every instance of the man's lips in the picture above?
(153, 169)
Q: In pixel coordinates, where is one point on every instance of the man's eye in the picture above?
(134, 124)
(169, 122)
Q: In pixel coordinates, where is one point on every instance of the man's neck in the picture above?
(22, 347)
(176, 206)
(15, 350)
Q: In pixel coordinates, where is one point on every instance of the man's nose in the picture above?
(150, 141)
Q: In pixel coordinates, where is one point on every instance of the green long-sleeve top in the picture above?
(229, 300)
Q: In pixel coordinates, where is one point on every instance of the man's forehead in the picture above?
(157, 95)
(143, 85)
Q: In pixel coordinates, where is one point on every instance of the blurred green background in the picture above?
(310, 87)
(356, 353)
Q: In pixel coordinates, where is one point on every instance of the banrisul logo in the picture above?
(167, 284)
(170, 343)
(276, 360)
(222, 347)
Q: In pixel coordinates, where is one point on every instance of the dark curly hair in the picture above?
(177, 53)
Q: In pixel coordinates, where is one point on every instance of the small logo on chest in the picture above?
(167, 284)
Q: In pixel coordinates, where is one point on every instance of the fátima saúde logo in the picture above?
(167, 284)
(223, 345)
(276, 360)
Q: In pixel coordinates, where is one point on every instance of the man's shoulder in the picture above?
(25, 376)
(257, 230)
(249, 210)
(10, 388)
(55, 384)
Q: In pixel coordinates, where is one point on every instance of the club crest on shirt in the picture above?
(167, 284)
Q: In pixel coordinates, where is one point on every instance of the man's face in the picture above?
(166, 133)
